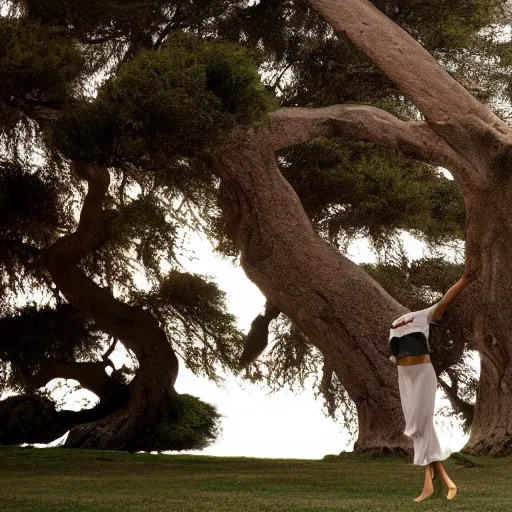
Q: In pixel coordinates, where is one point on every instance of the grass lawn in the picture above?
(55, 480)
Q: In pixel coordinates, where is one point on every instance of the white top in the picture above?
(415, 321)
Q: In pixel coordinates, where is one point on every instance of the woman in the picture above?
(418, 383)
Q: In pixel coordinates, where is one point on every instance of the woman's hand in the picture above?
(473, 267)
(470, 275)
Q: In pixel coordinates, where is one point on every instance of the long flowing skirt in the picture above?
(418, 385)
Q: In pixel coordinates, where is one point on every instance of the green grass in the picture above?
(61, 480)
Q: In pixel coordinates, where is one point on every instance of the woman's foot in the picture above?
(452, 491)
(426, 494)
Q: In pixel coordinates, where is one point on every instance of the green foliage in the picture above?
(191, 294)
(139, 232)
(32, 209)
(191, 308)
(351, 189)
(330, 71)
(310, 67)
(233, 77)
(113, 17)
(175, 102)
(25, 418)
(292, 360)
(337, 403)
(144, 223)
(37, 62)
(195, 427)
(416, 284)
(436, 273)
(455, 24)
(33, 334)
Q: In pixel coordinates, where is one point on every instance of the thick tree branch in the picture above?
(106, 356)
(450, 110)
(172, 26)
(21, 427)
(27, 249)
(319, 289)
(31, 257)
(38, 110)
(135, 327)
(98, 40)
(257, 339)
(91, 376)
(291, 126)
(327, 372)
(80, 242)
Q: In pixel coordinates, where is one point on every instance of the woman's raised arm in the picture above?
(469, 275)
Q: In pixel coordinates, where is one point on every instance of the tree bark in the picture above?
(150, 403)
(291, 126)
(256, 340)
(491, 430)
(449, 109)
(314, 285)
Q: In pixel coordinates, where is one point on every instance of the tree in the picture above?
(179, 112)
(477, 143)
(40, 344)
(86, 271)
(293, 272)
(458, 133)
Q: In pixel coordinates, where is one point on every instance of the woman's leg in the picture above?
(428, 487)
(452, 488)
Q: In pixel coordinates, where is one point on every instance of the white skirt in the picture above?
(418, 385)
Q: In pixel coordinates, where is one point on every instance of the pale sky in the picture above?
(256, 423)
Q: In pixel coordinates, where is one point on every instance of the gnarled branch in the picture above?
(291, 126)
(132, 325)
(108, 353)
(257, 339)
(90, 375)
(39, 110)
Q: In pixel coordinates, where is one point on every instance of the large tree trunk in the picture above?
(491, 430)
(320, 290)
(150, 404)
